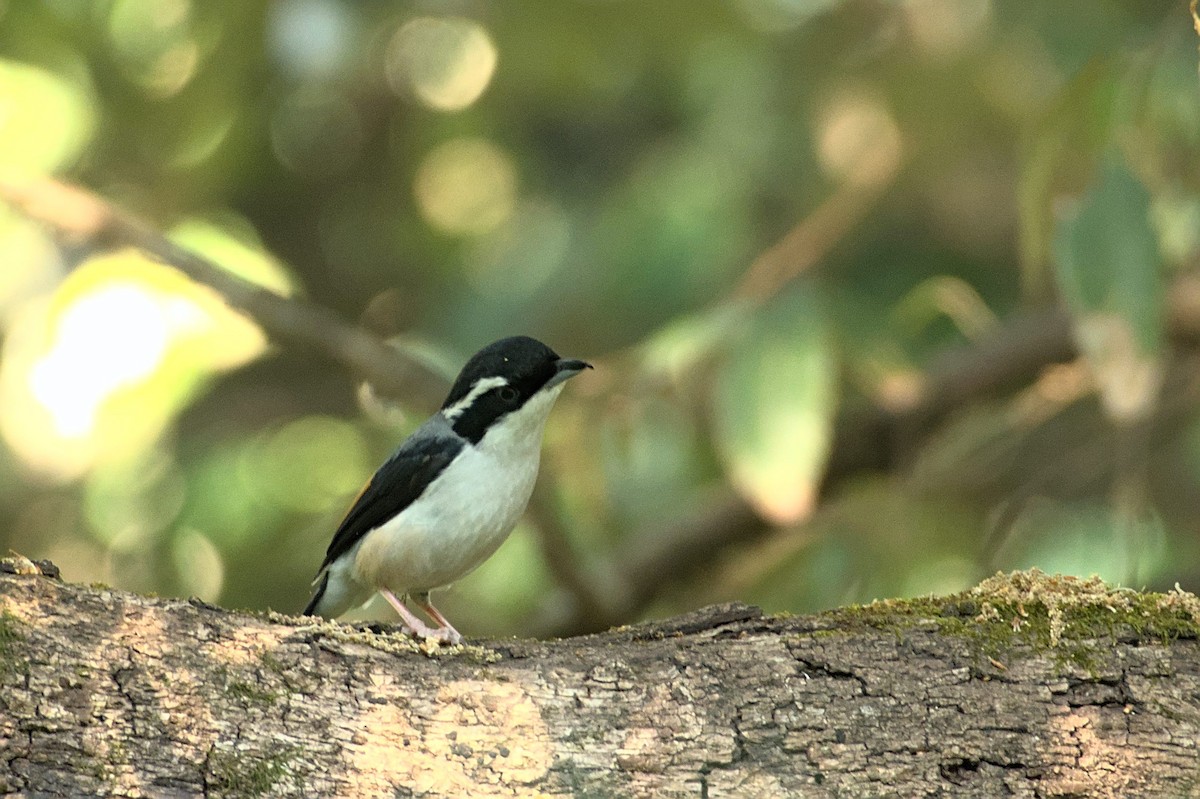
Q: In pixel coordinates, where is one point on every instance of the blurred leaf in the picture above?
(859, 546)
(1086, 538)
(1061, 154)
(773, 406)
(1109, 269)
(234, 246)
(651, 460)
(102, 369)
(311, 464)
(679, 346)
(199, 565)
(1166, 109)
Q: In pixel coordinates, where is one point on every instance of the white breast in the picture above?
(464, 516)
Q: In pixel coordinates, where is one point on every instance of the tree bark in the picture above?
(1026, 686)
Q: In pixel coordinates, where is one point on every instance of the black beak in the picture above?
(570, 366)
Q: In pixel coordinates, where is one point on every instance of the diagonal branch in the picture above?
(79, 214)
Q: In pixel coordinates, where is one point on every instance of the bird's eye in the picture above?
(508, 394)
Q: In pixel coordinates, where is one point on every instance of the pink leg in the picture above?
(415, 625)
(445, 631)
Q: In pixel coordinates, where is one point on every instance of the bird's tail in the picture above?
(311, 608)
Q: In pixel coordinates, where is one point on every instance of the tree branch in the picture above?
(1025, 686)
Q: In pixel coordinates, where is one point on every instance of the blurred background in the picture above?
(884, 295)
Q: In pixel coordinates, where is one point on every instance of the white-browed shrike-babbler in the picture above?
(451, 492)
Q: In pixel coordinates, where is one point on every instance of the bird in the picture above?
(451, 493)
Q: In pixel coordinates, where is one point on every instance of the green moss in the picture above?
(246, 690)
(9, 637)
(271, 663)
(1030, 612)
(243, 775)
(250, 693)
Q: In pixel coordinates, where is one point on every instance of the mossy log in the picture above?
(1026, 686)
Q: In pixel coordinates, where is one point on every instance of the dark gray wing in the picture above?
(395, 486)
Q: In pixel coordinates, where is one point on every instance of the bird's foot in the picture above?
(413, 625)
(445, 631)
(446, 635)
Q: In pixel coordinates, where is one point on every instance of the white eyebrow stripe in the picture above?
(481, 386)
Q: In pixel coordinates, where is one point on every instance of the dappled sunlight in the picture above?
(111, 338)
(480, 718)
(96, 373)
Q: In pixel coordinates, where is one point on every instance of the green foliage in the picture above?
(1110, 273)
(1107, 256)
(774, 403)
(768, 223)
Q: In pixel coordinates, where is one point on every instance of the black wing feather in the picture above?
(395, 486)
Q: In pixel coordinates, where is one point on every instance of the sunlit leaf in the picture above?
(97, 373)
(237, 251)
(1110, 271)
(45, 121)
(773, 407)
(1167, 112)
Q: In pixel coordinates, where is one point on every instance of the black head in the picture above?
(500, 379)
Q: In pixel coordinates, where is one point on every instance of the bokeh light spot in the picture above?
(466, 186)
(199, 565)
(152, 42)
(858, 140)
(946, 27)
(446, 62)
(307, 465)
(33, 262)
(311, 38)
(518, 257)
(317, 132)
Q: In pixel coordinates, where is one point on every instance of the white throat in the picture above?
(519, 432)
